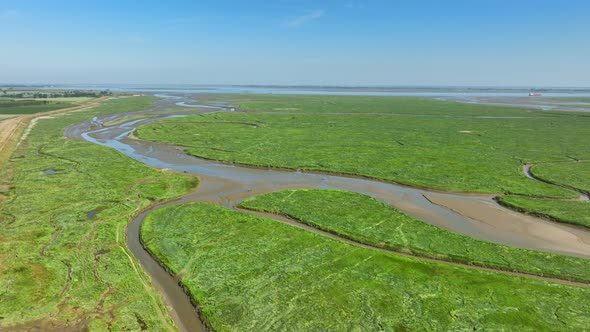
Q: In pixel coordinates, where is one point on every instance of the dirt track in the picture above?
(14, 130)
(11, 130)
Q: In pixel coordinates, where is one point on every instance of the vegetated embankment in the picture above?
(252, 273)
(63, 231)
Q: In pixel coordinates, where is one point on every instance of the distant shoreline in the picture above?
(426, 91)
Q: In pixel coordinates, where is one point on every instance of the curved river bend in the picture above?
(474, 215)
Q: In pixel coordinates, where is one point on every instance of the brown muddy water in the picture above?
(474, 215)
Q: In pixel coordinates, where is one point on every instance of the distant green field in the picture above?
(574, 174)
(254, 274)
(30, 106)
(367, 220)
(371, 104)
(60, 265)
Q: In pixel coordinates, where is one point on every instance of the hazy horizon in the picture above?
(327, 43)
(315, 86)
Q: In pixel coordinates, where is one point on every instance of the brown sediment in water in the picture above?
(181, 307)
(570, 239)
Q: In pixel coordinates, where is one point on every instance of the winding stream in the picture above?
(584, 197)
(474, 215)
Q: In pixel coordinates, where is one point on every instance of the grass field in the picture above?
(371, 104)
(451, 153)
(367, 220)
(30, 106)
(574, 174)
(254, 274)
(63, 257)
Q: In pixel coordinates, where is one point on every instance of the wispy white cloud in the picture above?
(8, 13)
(354, 5)
(303, 19)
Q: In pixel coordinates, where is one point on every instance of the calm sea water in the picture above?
(447, 92)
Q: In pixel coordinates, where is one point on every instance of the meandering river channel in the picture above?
(474, 215)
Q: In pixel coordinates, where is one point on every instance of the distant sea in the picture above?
(458, 92)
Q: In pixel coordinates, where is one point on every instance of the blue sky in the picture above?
(364, 42)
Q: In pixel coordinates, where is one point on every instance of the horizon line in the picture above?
(348, 86)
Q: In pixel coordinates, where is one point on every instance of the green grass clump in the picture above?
(58, 266)
(125, 104)
(30, 106)
(573, 174)
(458, 153)
(571, 212)
(254, 274)
(367, 220)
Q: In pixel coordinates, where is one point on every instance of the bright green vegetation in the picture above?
(461, 153)
(570, 212)
(63, 257)
(370, 104)
(254, 274)
(367, 220)
(30, 106)
(573, 174)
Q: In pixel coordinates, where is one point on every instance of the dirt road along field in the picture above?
(12, 130)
